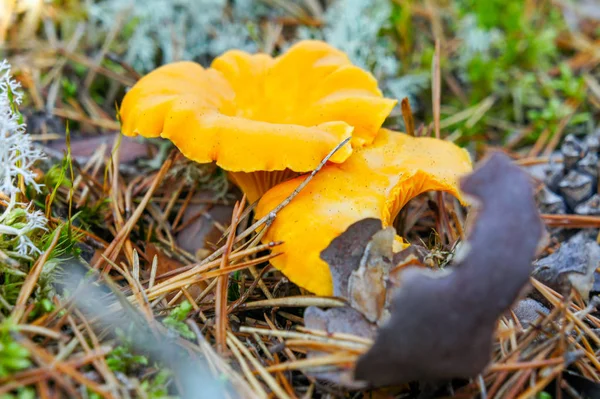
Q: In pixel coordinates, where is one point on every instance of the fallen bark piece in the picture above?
(441, 324)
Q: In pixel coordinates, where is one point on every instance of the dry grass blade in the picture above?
(32, 279)
(222, 281)
(354, 342)
(46, 359)
(26, 377)
(338, 359)
(115, 246)
(407, 115)
(269, 380)
(436, 97)
(436, 93)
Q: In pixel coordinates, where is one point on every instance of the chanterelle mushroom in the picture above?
(376, 181)
(263, 119)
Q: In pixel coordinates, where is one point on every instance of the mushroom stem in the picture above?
(255, 184)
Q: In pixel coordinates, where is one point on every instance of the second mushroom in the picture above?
(375, 182)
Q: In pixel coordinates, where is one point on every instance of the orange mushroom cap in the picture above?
(255, 113)
(375, 181)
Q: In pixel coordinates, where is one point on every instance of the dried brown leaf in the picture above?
(345, 253)
(82, 148)
(367, 285)
(203, 225)
(338, 320)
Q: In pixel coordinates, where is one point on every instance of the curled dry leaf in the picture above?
(203, 225)
(441, 322)
(360, 260)
(367, 285)
(345, 252)
(441, 325)
(362, 265)
(414, 255)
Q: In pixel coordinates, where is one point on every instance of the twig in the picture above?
(293, 301)
(115, 246)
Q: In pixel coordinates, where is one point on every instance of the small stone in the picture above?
(596, 284)
(572, 265)
(528, 311)
(593, 142)
(549, 202)
(576, 187)
(589, 164)
(554, 174)
(537, 171)
(591, 207)
(573, 150)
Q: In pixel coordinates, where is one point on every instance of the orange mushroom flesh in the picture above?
(262, 119)
(375, 181)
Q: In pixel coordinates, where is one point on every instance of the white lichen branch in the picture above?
(18, 222)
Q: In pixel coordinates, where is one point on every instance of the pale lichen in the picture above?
(357, 28)
(18, 222)
(17, 154)
(163, 31)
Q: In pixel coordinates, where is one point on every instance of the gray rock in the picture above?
(550, 202)
(554, 174)
(593, 142)
(590, 207)
(572, 265)
(537, 171)
(573, 150)
(576, 187)
(589, 164)
(596, 285)
(528, 311)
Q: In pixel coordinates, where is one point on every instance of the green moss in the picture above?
(13, 356)
(176, 320)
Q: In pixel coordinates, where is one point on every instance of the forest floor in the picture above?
(121, 298)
